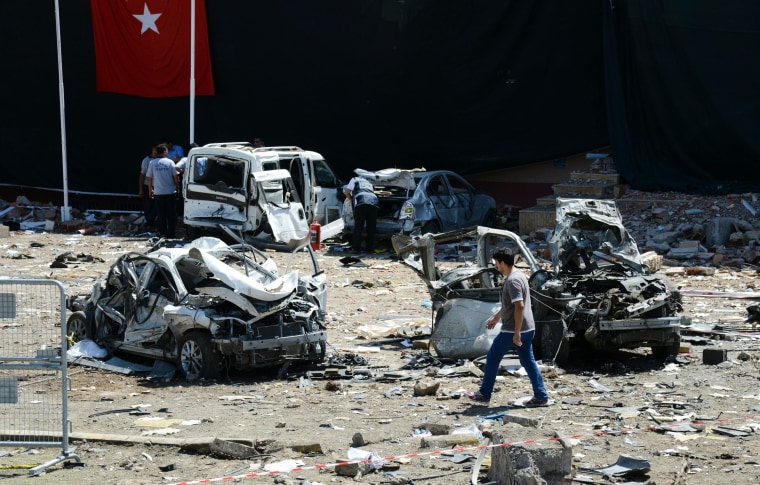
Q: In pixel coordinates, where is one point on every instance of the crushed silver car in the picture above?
(598, 294)
(205, 306)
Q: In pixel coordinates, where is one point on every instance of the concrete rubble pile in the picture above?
(693, 231)
(685, 230)
(26, 215)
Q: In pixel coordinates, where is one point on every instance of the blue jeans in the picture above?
(501, 345)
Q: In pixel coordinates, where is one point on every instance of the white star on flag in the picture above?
(148, 20)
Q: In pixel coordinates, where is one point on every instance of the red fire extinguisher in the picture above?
(316, 235)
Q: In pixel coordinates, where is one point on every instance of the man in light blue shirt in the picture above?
(163, 183)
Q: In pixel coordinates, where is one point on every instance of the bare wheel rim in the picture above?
(77, 329)
(191, 358)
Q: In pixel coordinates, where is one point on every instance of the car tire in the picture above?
(553, 345)
(196, 356)
(431, 227)
(79, 326)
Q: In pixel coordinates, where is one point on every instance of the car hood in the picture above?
(590, 234)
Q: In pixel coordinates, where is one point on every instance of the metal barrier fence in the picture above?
(33, 367)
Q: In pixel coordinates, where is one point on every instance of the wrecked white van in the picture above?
(206, 307)
(267, 197)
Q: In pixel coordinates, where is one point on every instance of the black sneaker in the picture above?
(535, 402)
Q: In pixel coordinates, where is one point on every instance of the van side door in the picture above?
(301, 172)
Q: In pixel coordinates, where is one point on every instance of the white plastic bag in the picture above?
(283, 466)
(355, 454)
(86, 348)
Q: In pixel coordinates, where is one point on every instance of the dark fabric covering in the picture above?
(683, 103)
(469, 86)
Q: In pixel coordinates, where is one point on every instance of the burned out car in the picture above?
(597, 293)
(205, 306)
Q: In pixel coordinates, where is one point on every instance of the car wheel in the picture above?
(79, 326)
(553, 345)
(431, 227)
(197, 357)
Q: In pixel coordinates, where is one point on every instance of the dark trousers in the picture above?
(149, 206)
(166, 214)
(365, 214)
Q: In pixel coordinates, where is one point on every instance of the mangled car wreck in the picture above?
(205, 306)
(427, 201)
(598, 294)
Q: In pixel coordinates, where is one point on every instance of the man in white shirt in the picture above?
(163, 182)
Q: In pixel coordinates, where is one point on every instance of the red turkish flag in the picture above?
(142, 47)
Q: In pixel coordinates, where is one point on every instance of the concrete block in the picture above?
(714, 356)
(700, 270)
(356, 470)
(537, 217)
(518, 465)
(653, 260)
(5, 231)
(421, 344)
(436, 429)
(614, 178)
(719, 230)
(426, 388)
(368, 438)
(449, 440)
(232, 449)
(521, 420)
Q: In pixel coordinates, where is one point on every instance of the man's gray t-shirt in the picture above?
(162, 171)
(516, 288)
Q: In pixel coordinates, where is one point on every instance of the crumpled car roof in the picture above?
(263, 284)
(594, 227)
(389, 176)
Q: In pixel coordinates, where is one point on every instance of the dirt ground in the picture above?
(691, 422)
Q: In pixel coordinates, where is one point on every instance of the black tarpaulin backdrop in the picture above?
(683, 99)
(472, 87)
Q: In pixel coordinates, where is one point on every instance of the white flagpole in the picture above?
(65, 210)
(192, 71)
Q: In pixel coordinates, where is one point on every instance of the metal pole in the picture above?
(192, 71)
(65, 210)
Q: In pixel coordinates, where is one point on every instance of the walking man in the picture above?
(517, 332)
(163, 184)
